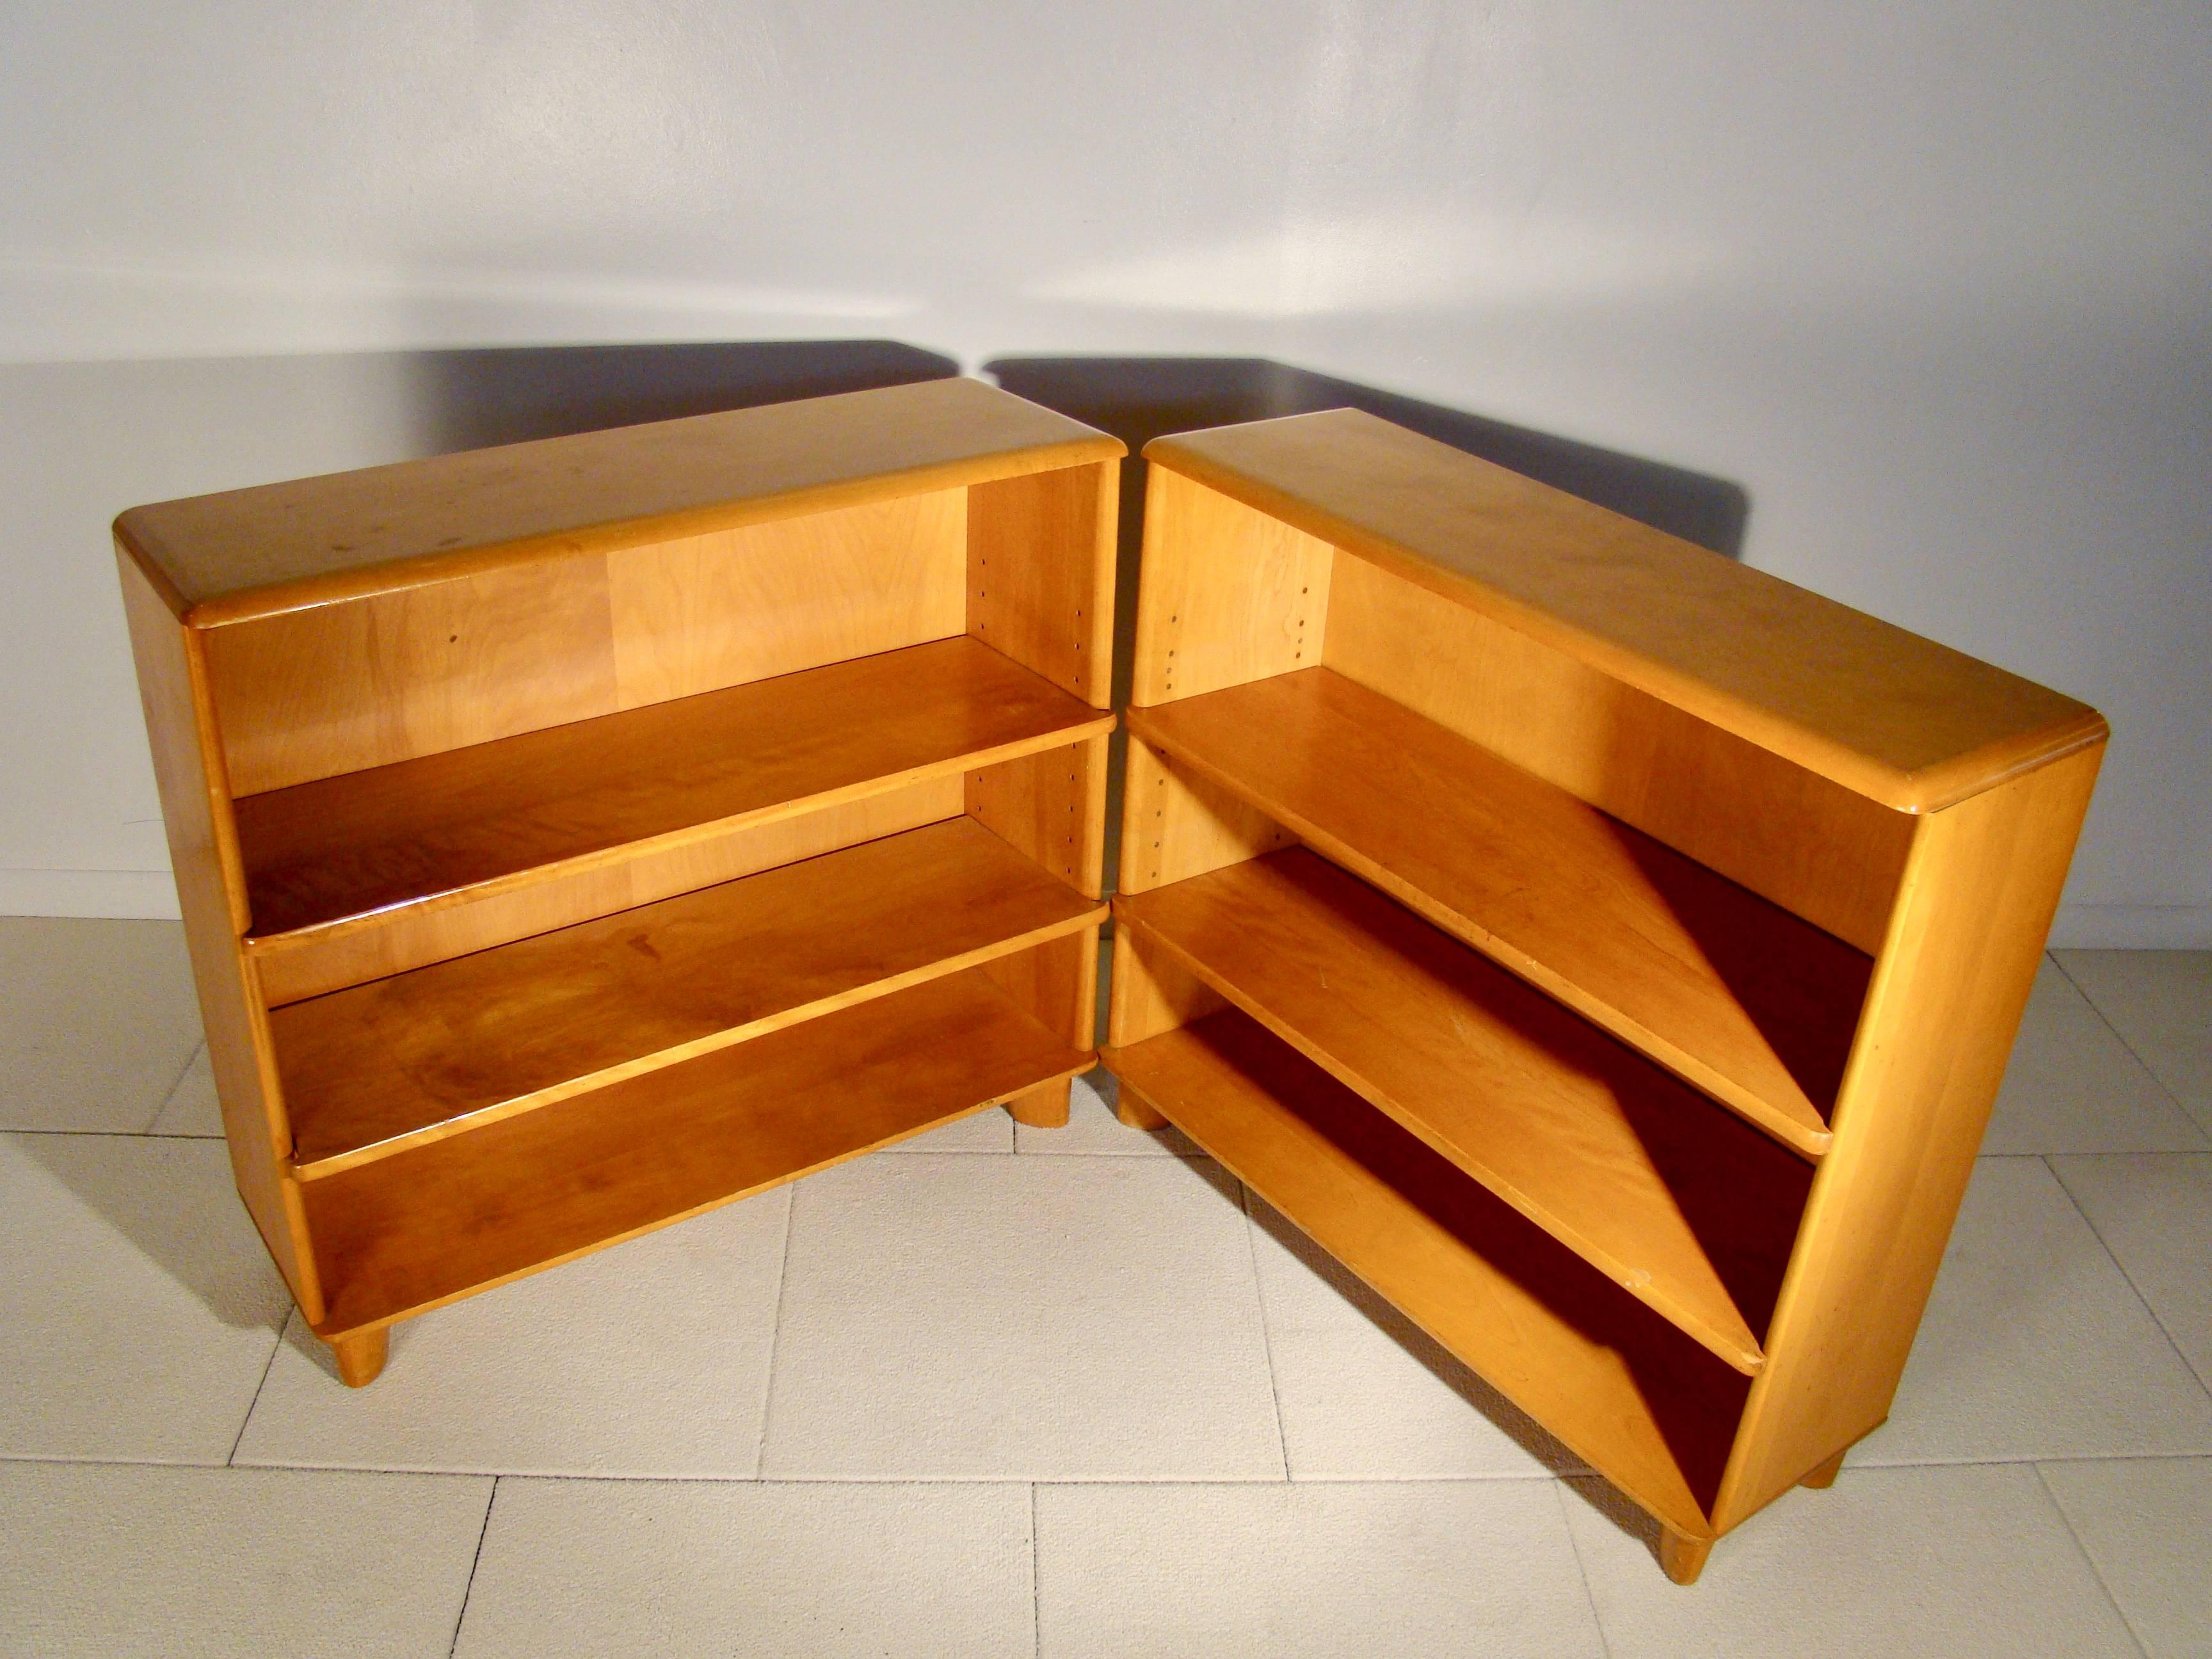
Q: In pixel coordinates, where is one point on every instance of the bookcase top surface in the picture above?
(246, 553)
(1888, 712)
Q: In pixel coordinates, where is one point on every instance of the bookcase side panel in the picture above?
(1811, 845)
(1056, 984)
(1050, 806)
(1950, 984)
(1040, 573)
(1152, 993)
(1175, 824)
(202, 852)
(1227, 593)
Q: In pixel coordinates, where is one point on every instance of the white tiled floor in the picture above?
(1017, 1392)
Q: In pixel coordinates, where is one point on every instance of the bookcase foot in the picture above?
(360, 1356)
(1682, 1557)
(1825, 1476)
(1044, 1106)
(1136, 1113)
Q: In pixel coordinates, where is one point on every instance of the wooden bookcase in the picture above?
(576, 836)
(1608, 952)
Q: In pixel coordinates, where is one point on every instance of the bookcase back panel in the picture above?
(1040, 573)
(321, 963)
(1813, 848)
(339, 688)
(1228, 594)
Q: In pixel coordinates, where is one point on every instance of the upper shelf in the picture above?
(1688, 1209)
(344, 852)
(1753, 1005)
(377, 1068)
(246, 553)
(1901, 719)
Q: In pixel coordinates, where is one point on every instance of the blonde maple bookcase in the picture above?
(576, 836)
(1608, 952)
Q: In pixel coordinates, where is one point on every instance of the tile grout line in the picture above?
(1581, 1567)
(267, 1365)
(483, 1531)
(775, 1330)
(175, 1083)
(1267, 1338)
(2120, 1038)
(1037, 1592)
(2113, 1255)
(2095, 1571)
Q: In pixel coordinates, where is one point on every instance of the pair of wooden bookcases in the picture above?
(1609, 952)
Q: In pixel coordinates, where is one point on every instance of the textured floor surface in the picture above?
(1062, 1392)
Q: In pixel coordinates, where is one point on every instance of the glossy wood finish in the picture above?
(1803, 860)
(448, 1047)
(1643, 1404)
(1823, 1475)
(1689, 1210)
(360, 1356)
(317, 541)
(352, 852)
(1053, 615)
(1901, 719)
(1743, 999)
(1052, 805)
(408, 1233)
(1045, 1107)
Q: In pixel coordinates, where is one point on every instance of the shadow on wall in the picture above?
(473, 400)
(1138, 399)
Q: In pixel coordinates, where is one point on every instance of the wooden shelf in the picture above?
(404, 1234)
(1647, 1408)
(1751, 1004)
(1690, 1209)
(350, 852)
(371, 1070)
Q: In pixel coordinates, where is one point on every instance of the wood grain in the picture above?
(1948, 990)
(1176, 823)
(246, 553)
(1689, 1209)
(1646, 1407)
(355, 851)
(1747, 1002)
(447, 1048)
(1227, 595)
(1901, 718)
(1808, 843)
(1040, 573)
(1052, 805)
(405, 1234)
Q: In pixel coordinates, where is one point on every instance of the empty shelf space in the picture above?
(1689, 1208)
(1645, 1406)
(1754, 1006)
(346, 851)
(403, 1234)
(372, 1069)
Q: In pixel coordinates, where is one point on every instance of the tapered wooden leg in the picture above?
(360, 1356)
(1044, 1106)
(1825, 1476)
(1137, 1113)
(1680, 1556)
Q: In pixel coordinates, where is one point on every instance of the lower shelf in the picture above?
(438, 1222)
(1650, 1409)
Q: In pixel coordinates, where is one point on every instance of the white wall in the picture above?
(1933, 282)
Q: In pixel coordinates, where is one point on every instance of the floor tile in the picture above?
(137, 1306)
(1025, 1318)
(2160, 1002)
(650, 1358)
(191, 1107)
(1402, 1569)
(1364, 1393)
(600, 1567)
(1093, 1127)
(2073, 1086)
(108, 1560)
(2154, 1214)
(2034, 1343)
(1948, 1562)
(990, 1131)
(97, 1020)
(2147, 1524)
